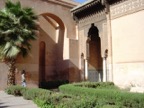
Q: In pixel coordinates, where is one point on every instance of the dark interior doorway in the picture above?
(95, 59)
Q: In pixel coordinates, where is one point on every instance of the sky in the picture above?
(80, 1)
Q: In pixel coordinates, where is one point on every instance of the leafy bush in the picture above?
(43, 103)
(77, 90)
(33, 93)
(113, 97)
(97, 85)
(74, 96)
(16, 90)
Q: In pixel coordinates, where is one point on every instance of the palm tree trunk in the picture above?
(11, 73)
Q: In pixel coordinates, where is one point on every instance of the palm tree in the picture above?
(17, 29)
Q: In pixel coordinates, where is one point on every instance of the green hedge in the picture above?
(16, 90)
(96, 85)
(108, 96)
(34, 93)
(28, 93)
(75, 96)
(47, 99)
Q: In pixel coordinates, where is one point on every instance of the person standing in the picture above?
(23, 78)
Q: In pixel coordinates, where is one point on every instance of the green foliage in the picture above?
(97, 85)
(16, 90)
(74, 96)
(33, 93)
(43, 103)
(105, 96)
(17, 30)
(89, 88)
(17, 25)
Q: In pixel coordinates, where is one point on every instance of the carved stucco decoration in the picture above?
(97, 17)
(126, 7)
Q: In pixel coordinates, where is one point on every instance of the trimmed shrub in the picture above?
(113, 97)
(33, 93)
(74, 96)
(97, 85)
(15, 90)
(43, 103)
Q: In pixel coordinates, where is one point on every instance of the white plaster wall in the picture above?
(128, 50)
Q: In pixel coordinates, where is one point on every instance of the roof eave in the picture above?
(79, 7)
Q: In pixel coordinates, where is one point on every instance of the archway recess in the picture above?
(95, 59)
(52, 32)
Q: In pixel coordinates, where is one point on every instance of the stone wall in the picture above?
(127, 41)
(57, 58)
(3, 75)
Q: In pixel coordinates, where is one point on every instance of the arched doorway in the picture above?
(95, 59)
(42, 51)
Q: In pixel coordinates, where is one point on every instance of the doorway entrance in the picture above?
(95, 60)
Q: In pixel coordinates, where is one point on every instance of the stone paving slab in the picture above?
(10, 101)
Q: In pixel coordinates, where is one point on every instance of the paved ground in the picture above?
(10, 101)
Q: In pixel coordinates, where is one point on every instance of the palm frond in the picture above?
(7, 32)
(10, 51)
(13, 52)
(12, 6)
(16, 29)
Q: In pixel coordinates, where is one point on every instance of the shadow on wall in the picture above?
(65, 76)
(52, 67)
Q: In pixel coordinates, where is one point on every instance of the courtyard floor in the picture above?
(10, 101)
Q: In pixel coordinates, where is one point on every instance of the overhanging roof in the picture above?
(81, 5)
(88, 3)
(90, 7)
(87, 8)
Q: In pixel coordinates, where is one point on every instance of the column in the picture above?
(86, 69)
(82, 67)
(104, 70)
(110, 56)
